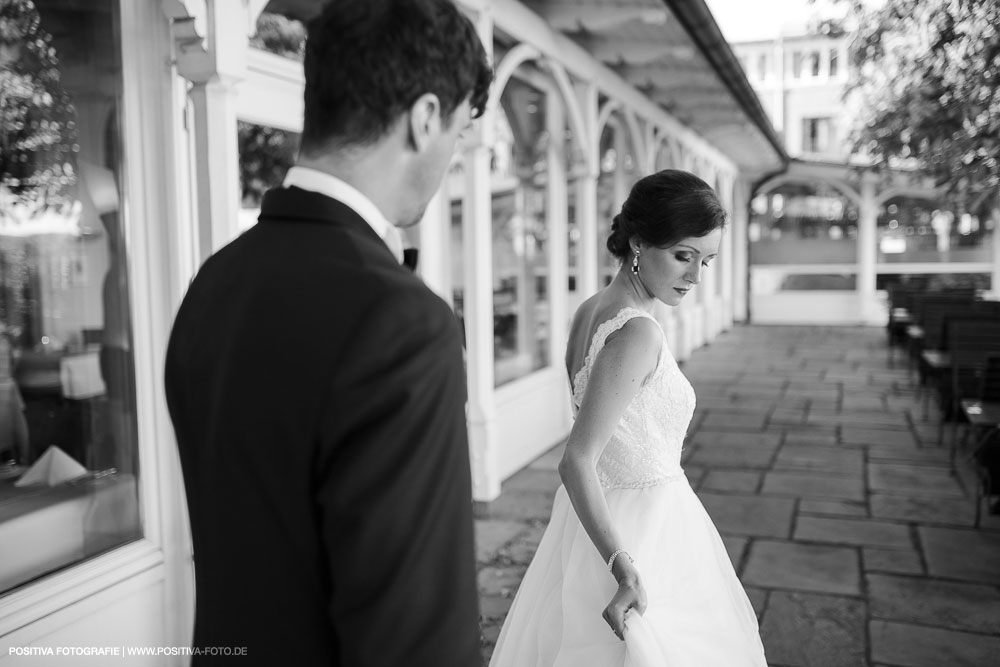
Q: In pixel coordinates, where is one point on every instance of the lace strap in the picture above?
(604, 330)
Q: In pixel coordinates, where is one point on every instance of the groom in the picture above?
(316, 386)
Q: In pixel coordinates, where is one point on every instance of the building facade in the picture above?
(138, 138)
(829, 234)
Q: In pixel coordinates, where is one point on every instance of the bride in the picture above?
(631, 571)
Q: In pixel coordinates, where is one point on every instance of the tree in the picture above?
(926, 79)
(37, 130)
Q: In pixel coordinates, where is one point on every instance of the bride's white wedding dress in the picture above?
(698, 614)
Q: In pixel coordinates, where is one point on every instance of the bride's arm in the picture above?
(623, 364)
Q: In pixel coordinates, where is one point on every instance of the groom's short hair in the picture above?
(368, 61)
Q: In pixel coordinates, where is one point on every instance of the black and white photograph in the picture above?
(500, 333)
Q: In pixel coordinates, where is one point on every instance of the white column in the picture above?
(434, 265)
(709, 303)
(867, 241)
(724, 266)
(586, 194)
(621, 185)
(739, 281)
(558, 229)
(214, 64)
(216, 161)
(477, 223)
(477, 230)
(620, 190)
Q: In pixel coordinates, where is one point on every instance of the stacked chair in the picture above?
(951, 341)
(901, 304)
(928, 341)
(982, 414)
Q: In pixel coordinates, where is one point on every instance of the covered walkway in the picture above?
(852, 537)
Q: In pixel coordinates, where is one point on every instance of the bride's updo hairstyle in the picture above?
(664, 208)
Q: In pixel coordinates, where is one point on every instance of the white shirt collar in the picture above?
(314, 180)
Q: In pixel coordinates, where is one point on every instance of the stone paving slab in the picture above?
(722, 402)
(896, 561)
(813, 390)
(911, 455)
(768, 441)
(877, 436)
(903, 478)
(518, 505)
(735, 547)
(733, 456)
(970, 555)
(922, 509)
(921, 646)
(856, 508)
(813, 485)
(815, 432)
(742, 514)
(521, 549)
(861, 532)
(809, 437)
(695, 474)
(807, 630)
(803, 567)
(820, 458)
(943, 604)
(758, 599)
(491, 535)
(849, 532)
(731, 480)
(785, 415)
(723, 421)
(865, 404)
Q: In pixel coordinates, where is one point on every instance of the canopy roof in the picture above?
(673, 52)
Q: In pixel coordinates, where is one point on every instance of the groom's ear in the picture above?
(424, 121)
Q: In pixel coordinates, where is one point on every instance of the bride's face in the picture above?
(670, 273)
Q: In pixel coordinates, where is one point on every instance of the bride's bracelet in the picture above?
(615, 555)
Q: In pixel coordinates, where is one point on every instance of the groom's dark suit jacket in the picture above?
(317, 392)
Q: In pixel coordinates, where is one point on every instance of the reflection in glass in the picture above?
(802, 223)
(521, 290)
(68, 452)
(920, 230)
(618, 173)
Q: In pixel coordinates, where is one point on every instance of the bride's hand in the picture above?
(630, 595)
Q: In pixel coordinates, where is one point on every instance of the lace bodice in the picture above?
(645, 449)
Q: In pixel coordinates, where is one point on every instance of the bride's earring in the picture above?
(635, 263)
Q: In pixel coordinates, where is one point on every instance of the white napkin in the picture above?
(641, 647)
(53, 467)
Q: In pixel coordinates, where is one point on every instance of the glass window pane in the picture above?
(266, 154)
(915, 230)
(618, 173)
(521, 289)
(803, 224)
(68, 462)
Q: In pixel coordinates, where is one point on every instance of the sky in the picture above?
(748, 20)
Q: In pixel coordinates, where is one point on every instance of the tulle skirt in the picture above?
(698, 614)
